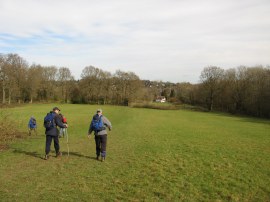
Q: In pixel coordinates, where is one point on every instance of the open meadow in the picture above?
(152, 155)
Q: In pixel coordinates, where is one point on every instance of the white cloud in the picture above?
(166, 40)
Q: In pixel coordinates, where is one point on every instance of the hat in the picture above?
(99, 110)
(56, 108)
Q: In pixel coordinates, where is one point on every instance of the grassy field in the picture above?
(153, 155)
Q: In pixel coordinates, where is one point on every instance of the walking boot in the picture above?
(59, 154)
(103, 159)
(46, 157)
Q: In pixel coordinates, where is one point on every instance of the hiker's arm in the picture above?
(107, 123)
(90, 130)
(59, 123)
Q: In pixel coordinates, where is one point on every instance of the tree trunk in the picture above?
(31, 99)
(9, 97)
(4, 95)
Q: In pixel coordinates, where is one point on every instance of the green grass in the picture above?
(153, 155)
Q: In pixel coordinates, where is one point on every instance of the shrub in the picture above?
(8, 131)
(151, 105)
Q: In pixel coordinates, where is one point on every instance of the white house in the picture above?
(161, 99)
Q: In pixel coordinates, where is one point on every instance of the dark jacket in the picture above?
(58, 122)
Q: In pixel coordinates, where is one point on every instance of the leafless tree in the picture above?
(65, 78)
(126, 86)
(34, 79)
(48, 89)
(16, 71)
(3, 76)
(211, 78)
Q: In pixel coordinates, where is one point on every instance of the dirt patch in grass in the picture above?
(3, 147)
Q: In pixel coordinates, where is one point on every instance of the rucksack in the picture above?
(97, 123)
(34, 122)
(49, 121)
(64, 120)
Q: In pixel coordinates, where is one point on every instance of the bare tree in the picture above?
(64, 77)
(185, 93)
(126, 86)
(3, 76)
(105, 84)
(234, 92)
(16, 70)
(211, 78)
(48, 86)
(257, 102)
(34, 79)
(89, 82)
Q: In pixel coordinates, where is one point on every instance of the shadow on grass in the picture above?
(243, 118)
(34, 154)
(78, 155)
(37, 155)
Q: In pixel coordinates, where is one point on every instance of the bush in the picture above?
(8, 131)
(193, 108)
(167, 106)
(151, 105)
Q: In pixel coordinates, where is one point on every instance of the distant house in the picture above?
(161, 99)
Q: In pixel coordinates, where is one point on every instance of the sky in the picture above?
(167, 40)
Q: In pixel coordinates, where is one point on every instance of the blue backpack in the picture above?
(33, 123)
(97, 123)
(49, 121)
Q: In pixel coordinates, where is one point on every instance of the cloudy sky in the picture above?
(168, 40)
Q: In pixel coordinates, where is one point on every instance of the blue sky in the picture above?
(170, 40)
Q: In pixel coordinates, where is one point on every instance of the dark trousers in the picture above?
(101, 142)
(49, 141)
(32, 129)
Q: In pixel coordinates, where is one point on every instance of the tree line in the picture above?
(244, 90)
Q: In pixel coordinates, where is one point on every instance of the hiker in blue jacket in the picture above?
(52, 131)
(98, 125)
(32, 125)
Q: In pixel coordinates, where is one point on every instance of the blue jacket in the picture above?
(32, 123)
(54, 131)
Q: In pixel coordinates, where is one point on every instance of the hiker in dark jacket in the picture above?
(52, 133)
(100, 135)
(32, 125)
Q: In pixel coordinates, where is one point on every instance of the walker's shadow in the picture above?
(34, 154)
(78, 155)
